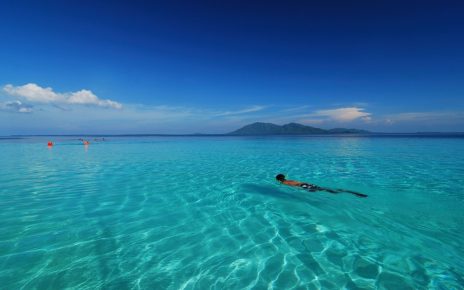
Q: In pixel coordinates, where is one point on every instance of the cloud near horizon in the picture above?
(340, 115)
(344, 114)
(251, 109)
(34, 93)
(40, 110)
(15, 106)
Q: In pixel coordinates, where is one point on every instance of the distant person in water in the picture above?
(312, 187)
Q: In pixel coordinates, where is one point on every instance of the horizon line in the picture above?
(234, 135)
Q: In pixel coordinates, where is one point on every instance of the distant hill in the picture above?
(259, 128)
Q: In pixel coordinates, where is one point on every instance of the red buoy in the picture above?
(50, 144)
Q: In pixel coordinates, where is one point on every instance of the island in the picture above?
(260, 128)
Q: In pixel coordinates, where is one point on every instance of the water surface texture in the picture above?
(206, 213)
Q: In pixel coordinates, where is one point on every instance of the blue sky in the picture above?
(108, 67)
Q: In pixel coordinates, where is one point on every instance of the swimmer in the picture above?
(312, 187)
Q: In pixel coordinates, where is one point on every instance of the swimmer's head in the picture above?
(280, 177)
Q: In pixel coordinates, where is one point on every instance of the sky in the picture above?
(141, 67)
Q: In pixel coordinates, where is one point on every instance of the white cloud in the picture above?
(84, 97)
(343, 114)
(332, 116)
(15, 106)
(34, 93)
(239, 112)
(37, 94)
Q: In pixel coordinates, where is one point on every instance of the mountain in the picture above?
(298, 129)
(259, 128)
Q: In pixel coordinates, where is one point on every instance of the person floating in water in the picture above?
(312, 187)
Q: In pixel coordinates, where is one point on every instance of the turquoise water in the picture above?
(206, 213)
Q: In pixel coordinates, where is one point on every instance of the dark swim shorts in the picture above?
(310, 187)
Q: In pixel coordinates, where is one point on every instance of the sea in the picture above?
(205, 212)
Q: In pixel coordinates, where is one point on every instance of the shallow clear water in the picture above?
(201, 213)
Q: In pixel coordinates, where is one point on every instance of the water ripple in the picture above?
(205, 213)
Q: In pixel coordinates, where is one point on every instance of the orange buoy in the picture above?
(86, 142)
(50, 144)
